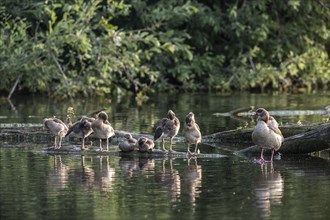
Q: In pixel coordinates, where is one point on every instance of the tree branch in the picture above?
(60, 68)
(15, 85)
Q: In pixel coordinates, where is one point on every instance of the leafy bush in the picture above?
(96, 48)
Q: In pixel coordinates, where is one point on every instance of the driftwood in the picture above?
(248, 111)
(235, 111)
(243, 136)
(300, 139)
(36, 133)
(307, 142)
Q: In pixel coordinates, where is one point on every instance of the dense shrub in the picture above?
(89, 48)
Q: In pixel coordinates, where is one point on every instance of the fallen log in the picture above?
(243, 136)
(235, 111)
(36, 133)
(300, 139)
(248, 111)
(307, 142)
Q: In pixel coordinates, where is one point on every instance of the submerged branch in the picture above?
(235, 111)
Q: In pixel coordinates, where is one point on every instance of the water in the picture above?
(38, 185)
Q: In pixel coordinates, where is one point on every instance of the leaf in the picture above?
(189, 54)
(171, 48)
(301, 66)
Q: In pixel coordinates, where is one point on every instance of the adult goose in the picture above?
(102, 128)
(167, 128)
(191, 132)
(81, 128)
(58, 128)
(266, 134)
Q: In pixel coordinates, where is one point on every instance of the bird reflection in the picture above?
(193, 179)
(58, 178)
(97, 173)
(87, 173)
(269, 190)
(105, 174)
(129, 165)
(170, 179)
(147, 166)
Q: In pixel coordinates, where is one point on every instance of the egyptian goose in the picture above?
(57, 127)
(81, 128)
(191, 132)
(266, 134)
(167, 128)
(128, 144)
(102, 128)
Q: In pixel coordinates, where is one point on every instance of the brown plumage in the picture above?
(102, 128)
(191, 132)
(266, 134)
(145, 144)
(128, 144)
(167, 128)
(81, 128)
(57, 127)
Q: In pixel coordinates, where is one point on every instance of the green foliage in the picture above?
(14, 48)
(81, 52)
(96, 48)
